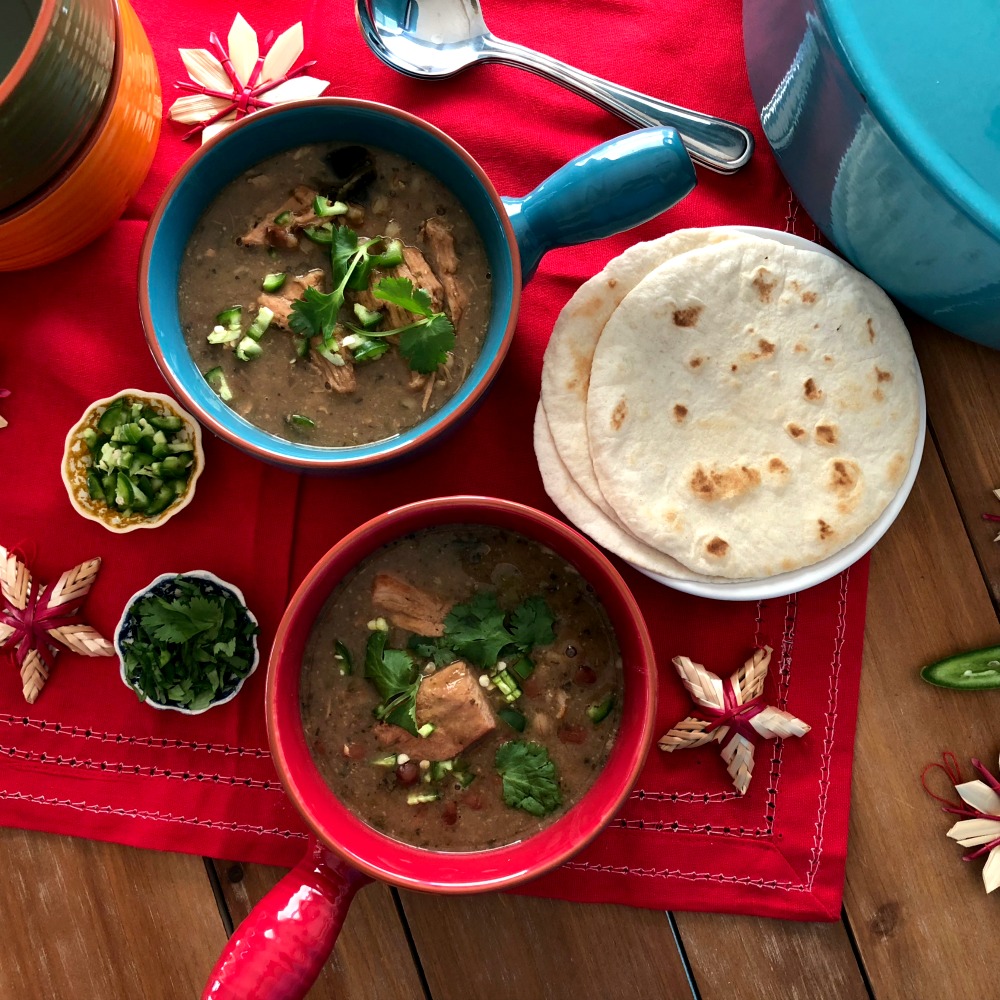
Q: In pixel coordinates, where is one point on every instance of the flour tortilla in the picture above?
(753, 407)
(570, 351)
(588, 517)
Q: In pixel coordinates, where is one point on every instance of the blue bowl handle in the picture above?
(617, 185)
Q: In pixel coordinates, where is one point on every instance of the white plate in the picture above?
(807, 576)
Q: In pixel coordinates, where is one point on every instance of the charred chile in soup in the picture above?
(444, 695)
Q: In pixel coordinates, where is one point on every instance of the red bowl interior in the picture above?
(382, 857)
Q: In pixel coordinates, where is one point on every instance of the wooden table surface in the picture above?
(90, 921)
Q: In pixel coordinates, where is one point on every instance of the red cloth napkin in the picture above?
(88, 759)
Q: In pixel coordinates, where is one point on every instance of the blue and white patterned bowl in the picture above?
(161, 586)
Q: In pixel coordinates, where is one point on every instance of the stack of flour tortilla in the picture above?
(717, 404)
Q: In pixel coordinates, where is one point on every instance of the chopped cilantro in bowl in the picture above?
(187, 642)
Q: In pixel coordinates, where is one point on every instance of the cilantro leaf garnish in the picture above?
(396, 677)
(401, 711)
(400, 292)
(530, 781)
(476, 631)
(343, 251)
(531, 624)
(425, 343)
(315, 314)
(390, 670)
(177, 621)
(187, 643)
(482, 633)
(435, 649)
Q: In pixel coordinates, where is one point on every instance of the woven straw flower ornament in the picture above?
(737, 715)
(228, 85)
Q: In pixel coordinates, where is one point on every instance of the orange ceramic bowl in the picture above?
(92, 190)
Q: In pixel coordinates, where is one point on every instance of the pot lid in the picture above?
(929, 73)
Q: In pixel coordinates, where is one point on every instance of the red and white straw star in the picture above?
(35, 620)
(228, 85)
(735, 714)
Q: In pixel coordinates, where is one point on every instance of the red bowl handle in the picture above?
(279, 950)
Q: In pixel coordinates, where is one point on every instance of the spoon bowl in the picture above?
(439, 38)
(438, 48)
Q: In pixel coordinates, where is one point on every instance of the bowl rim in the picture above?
(36, 38)
(200, 574)
(783, 584)
(20, 208)
(174, 508)
(456, 872)
(320, 459)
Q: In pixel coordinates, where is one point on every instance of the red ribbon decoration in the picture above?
(32, 624)
(951, 769)
(733, 714)
(244, 98)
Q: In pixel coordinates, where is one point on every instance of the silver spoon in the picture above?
(434, 39)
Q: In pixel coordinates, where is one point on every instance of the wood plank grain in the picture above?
(922, 922)
(372, 959)
(748, 957)
(498, 945)
(963, 395)
(84, 920)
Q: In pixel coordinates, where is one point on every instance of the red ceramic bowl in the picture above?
(348, 849)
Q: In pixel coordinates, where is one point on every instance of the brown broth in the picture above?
(454, 563)
(217, 273)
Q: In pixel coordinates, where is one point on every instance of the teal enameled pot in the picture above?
(885, 119)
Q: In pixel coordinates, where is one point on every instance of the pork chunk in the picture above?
(454, 702)
(409, 607)
(301, 206)
(441, 249)
(422, 276)
(280, 302)
(339, 378)
(300, 201)
(417, 270)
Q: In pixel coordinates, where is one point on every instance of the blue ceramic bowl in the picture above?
(883, 117)
(614, 187)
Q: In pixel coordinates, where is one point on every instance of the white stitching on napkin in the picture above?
(784, 684)
(828, 731)
(137, 770)
(161, 743)
(759, 883)
(147, 814)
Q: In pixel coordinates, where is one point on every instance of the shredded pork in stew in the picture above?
(462, 688)
(335, 295)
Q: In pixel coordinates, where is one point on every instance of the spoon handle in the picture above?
(720, 145)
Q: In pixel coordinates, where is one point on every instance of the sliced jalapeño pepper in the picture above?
(513, 718)
(976, 670)
(599, 712)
